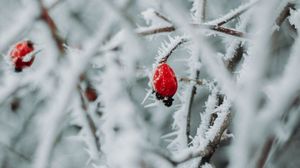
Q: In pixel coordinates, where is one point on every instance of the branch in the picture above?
(232, 14)
(214, 25)
(213, 117)
(69, 79)
(227, 31)
(284, 13)
(198, 82)
(154, 30)
(25, 19)
(211, 28)
(232, 63)
(238, 55)
(162, 17)
(211, 146)
(52, 26)
(171, 50)
(206, 152)
(265, 152)
(89, 123)
(198, 10)
(199, 7)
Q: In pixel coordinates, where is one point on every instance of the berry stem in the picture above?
(166, 57)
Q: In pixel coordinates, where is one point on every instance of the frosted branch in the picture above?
(232, 14)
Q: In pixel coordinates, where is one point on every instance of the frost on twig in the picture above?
(199, 10)
(181, 124)
(232, 14)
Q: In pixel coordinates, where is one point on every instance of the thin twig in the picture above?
(232, 15)
(213, 117)
(265, 152)
(162, 17)
(215, 25)
(234, 61)
(166, 57)
(284, 13)
(227, 31)
(155, 30)
(200, 10)
(19, 26)
(52, 27)
(90, 123)
(198, 82)
(219, 29)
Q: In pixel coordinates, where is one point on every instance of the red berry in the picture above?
(91, 94)
(17, 54)
(164, 83)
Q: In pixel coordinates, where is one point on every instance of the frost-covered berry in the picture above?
(18, 54)
(164, 83)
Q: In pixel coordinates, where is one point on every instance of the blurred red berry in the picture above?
(17, 54)
(91, 94)
(164, 83)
